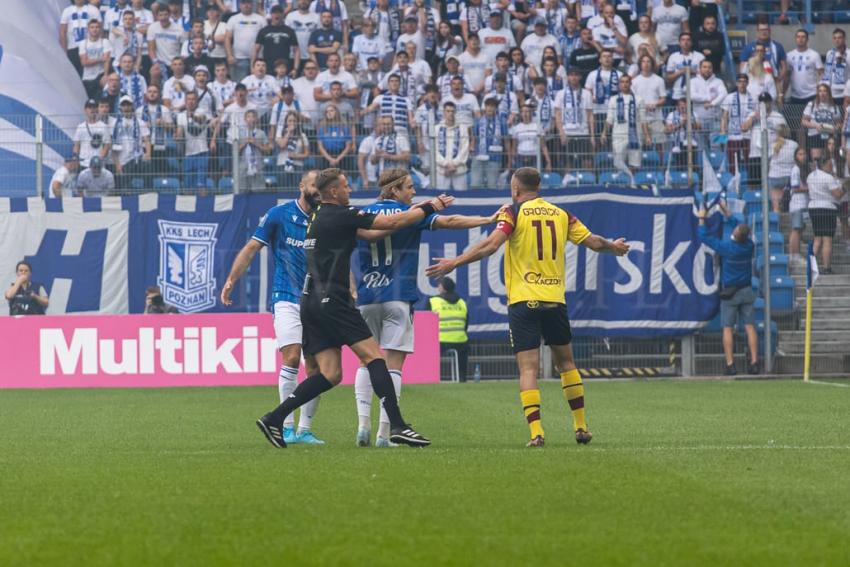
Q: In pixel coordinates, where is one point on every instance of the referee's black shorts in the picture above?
(530, 320)
(330, 323)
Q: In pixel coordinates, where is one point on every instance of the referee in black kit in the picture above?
(328, 313)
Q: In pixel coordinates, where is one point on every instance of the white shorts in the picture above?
(287, 323)
(391, 324)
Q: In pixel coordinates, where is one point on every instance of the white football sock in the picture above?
(287, 380)
(308, 411)
(384, 422)
(363, 397)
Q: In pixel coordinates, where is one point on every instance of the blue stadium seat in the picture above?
(649, 177)
(137, 184)
(758, 309)
(650, 159)
(552, 180)
(269, 164)
(713, 325)
(167, 185)
(417, 183)
(604, 160)
(614, 178)
(752, 200)
(680, 179)
(776, 242)
(225, 185)
(585, 177)
(778, 264)
(781, 293)
(774, 336)
(356, 183)
(772, 222)
(842, 17)
(756, 285)
(271, 181)
(725, 178)
(716, 159)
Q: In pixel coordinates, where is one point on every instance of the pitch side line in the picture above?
(723, 448)
(837, 385)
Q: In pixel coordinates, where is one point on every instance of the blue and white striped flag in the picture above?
(812, 272)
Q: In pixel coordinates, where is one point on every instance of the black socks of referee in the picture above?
(310, 388)
(382, 384)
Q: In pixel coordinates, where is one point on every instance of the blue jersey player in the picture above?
(283, 229)
(387, 290)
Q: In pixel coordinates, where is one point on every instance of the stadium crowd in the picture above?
(174, 85)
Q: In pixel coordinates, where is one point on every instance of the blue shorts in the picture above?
(740, 303)
(798, 221)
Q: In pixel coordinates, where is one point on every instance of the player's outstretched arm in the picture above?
(411, 215)
(459, 222)
(603, 245)
(482, 249)
(240, 264)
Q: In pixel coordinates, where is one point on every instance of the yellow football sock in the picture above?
(531, 409)
(574, 393)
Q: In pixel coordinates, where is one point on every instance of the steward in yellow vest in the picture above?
(454, 320)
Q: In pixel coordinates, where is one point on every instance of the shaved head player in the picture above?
(536, 233)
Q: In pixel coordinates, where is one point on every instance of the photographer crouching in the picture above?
(155, 304)
(25, 296)
(736, 292)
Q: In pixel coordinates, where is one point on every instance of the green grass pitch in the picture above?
(679, 473)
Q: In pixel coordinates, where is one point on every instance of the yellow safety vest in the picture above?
(452, 319)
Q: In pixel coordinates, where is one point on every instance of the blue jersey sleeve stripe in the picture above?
(433, 220)
(260, 240)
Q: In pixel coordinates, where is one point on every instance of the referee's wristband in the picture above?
(429, 209)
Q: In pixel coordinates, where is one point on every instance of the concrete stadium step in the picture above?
(818, 335)
(831, 324)
(820, 302)
(823, 291)
(821, 364)
(840, 268)
(838, 347)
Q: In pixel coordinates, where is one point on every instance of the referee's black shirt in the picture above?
(331, 238)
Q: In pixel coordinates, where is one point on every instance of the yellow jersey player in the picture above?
(536, 233)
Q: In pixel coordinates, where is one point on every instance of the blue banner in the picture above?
(106, 252)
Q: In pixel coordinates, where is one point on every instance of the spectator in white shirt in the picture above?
(303, 21)
(473, 17)
(390, 149)
(707, 94)
(753, 124)
(825, 192)
(525, 141)
(233, 120)
(127, 40)
(806, 68)
(165, 39)
(736, 107)
(466, 104)
(835, 66)
(574, 121)
(760, 80)
(262, 90)
(96, 181)
(174, 90)
(305, 88)
(452, 144)
(73, 29)
(651, 88)
(670, 20)
(645, 36)
(334, 74)
(193, 129)
(611, 34)
(369, 44)
(242, 30)
(64, 180)
(215, 32)
(495, 38)
(532, 45)
(411, 32)
(131, 145)
(95, 55)
(474, 64)
(92, 137)
(603, 83)
(781, 163)
(822, 117)
(626, 121)
(253, 146)
(799, 203)
(678, 64)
